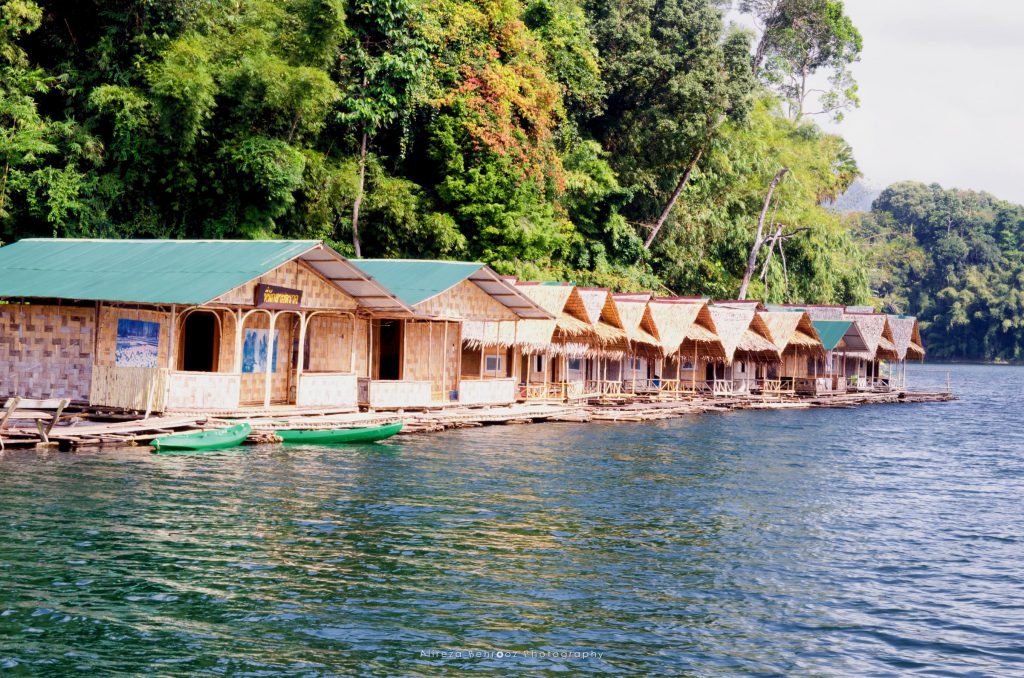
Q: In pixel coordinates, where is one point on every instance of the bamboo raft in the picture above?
(108, 428)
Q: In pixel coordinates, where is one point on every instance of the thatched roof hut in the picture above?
(874, 327)
(567, 332)
(906, 333)
(793, 332)
(638, 322)
(685, 326)
(743, 333)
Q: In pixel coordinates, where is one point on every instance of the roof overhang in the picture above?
(367, 292)
(505, 293)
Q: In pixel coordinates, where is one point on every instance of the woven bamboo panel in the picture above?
(107, 340)
(46, 351)
(226, 360)
(466, 301)
(331, 340)
(362, 348)
(253, 384)
(132, 388)
(429, 358)
(316, 292)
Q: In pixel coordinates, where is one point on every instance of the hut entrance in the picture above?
(389, 349)
(201, 342)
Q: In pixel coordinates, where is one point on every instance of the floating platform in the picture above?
(123, 429)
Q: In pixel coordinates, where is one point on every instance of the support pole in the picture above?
(444, 365)
(269, 374)
(302, 353)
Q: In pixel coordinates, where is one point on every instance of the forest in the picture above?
(652, 144)
(955, 259)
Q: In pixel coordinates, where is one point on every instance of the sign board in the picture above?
(278, 298)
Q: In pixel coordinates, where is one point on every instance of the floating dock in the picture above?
(89, 427)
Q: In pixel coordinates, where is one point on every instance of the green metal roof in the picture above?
(831, 332)
(141, 271)
(415, 281)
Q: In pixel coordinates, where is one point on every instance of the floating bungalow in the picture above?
(838, 338)
(906, 333)
(689, 341)
(156, 325)
(606, 365)
(750, 354)
(425, 360)
(802, 353)
(868, 370)
(553, 352)
(640, 371)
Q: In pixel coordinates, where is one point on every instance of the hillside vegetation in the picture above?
(954, 258)
(630, 143)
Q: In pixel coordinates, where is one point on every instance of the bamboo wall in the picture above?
(143, 389)
(466, 301)
(427, 356)
(46, 351)
(331, 342)
(317, 293)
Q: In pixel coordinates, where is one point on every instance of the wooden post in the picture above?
(444, 365)
(430, 351)
(483, 350)
(302, 354)
(547, 371)
(172, 334)
(269, 374)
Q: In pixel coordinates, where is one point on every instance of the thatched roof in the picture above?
(560, 300)
(673, 319)
(906, 334)
(874, 327)
(638, 322)
(479, 334)
(741, 331)
(793, 332)
(594, 299)
(824, 312)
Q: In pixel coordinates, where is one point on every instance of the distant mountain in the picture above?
(857, 199)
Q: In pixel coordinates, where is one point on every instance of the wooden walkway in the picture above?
(124, 429)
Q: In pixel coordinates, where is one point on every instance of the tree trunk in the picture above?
(663, 217)
(359, 196)
(759, 237)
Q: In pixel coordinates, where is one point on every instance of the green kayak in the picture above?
(339, 435)
(202, 442)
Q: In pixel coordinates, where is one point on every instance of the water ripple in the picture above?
(880, 541)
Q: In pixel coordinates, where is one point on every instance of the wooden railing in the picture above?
(142, 389)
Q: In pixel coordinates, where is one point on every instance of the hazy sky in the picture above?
(942, 93)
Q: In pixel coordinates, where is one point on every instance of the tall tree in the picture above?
(803, 42)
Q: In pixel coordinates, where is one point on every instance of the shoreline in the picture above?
(122, 429)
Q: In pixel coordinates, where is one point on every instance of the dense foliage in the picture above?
(954, 258)
(541, 136)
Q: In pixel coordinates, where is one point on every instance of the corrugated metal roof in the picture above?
(187, 272)
(415, 281)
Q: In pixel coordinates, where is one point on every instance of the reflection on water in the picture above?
(876, 540)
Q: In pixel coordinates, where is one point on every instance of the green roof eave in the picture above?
(415, 281)
(831, 332)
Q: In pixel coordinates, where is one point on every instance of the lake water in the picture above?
(881, 540)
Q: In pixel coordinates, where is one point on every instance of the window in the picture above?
(493, 363)
(635, 363)
(575, 364)
(538, 363)
(743, 368)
